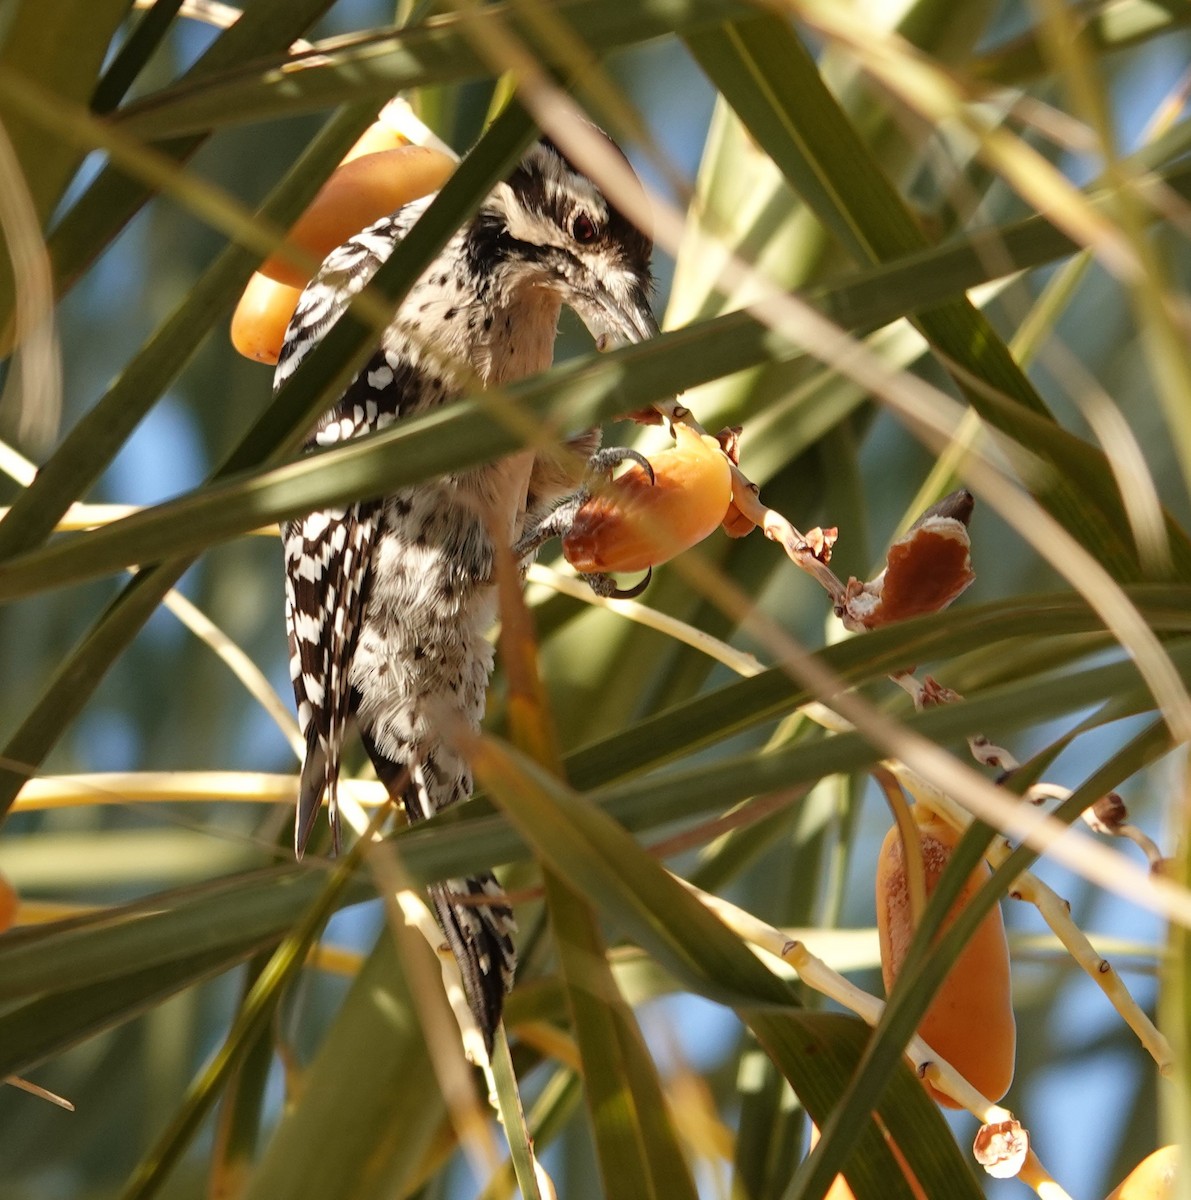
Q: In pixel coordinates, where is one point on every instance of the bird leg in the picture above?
(558, 521)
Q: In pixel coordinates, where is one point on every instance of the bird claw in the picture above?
(604, 462)
(605, 587)
(558, 522)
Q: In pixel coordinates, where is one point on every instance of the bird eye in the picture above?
(583, 229)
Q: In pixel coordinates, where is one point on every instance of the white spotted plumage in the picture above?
(389, 600)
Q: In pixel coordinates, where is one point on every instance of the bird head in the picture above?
(550, 226)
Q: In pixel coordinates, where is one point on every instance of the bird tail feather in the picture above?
(316, 780)
(479, 937)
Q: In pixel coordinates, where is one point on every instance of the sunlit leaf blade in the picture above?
(601, 860)
(242, 1110)
(771, 1126)
(735, 778)
(369, 1104)
(257, 1011)
(736, 706)
(471, 432)
(231, 918)
(68, 689)
(631, 1123)
(1175, 1003)
(440, 51)
(911, 1118)
(100, 433)
(65, 1016)
(801, 125)
(112, 199)
(61, 50)
(639, 1154)
(135, 51)
(1115, 26)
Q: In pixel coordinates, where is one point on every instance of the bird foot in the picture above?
(558, 521)
(605, 586)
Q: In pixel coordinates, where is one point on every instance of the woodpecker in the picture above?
(388, 601)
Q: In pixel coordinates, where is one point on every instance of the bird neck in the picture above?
(519, 339)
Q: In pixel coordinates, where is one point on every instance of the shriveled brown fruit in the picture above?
(925, 569)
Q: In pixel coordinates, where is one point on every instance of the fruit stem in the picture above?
(815, 973)
(809, 552)
(1035, 1175)
(1056, 913)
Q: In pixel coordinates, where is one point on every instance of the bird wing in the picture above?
(328, 554)
(328, 567)
(328, 559)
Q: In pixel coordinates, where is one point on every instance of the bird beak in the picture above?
(615, 322)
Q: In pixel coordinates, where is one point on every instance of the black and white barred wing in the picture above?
(345, 272)
(328, 569)
(328, 554)
(328, 564)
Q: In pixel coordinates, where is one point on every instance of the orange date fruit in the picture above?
(262, 317)
(633, 524)
(970, 1020)
(361, 190)
(9, 903)
(1154, 1178)
(379, 175)
(377, 137)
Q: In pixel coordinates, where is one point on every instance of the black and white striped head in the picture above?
(550, 226)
